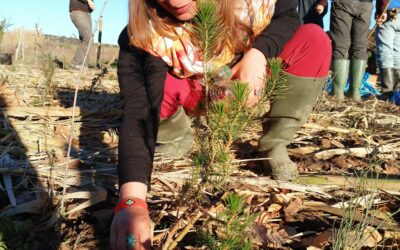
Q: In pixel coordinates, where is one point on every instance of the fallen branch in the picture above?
(94, 198)
(333, 129)
(83, 177)
(31, 207)
(360, 201)
(357, 152)
(23, 112)
(182, 176)
(172, 232)
(357, 215)
(374, 183)
(39, 111)
(185, 230)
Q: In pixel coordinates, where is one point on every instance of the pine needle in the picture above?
(207, 25)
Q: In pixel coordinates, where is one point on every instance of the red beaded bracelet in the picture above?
(130, 202)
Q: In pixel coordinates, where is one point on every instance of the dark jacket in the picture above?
(307, 13)
(141, 78)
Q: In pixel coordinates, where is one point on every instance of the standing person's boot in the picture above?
(340, 68)
(288, 113)
(175, 136)
(357, 76)
(387, 82)
(396, 77)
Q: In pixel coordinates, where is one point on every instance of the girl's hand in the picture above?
(251, 69)
(319, 8)
(131, 220)
(381, 18)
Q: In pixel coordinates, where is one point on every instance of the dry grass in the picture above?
(37, 135)
(36, 44)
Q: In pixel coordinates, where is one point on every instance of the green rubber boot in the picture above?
(357, 75)
(387, 83)
(286, 116)
(175, 136)
(396, 85)
(340, 68)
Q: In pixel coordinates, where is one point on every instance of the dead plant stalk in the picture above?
(77, 84)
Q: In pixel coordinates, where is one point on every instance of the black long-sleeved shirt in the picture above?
(141, 78)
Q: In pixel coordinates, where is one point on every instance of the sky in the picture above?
(52, 16)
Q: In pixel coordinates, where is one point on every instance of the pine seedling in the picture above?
(222, 123)
(275, 86)
(224, 119)
(232, 227)
(50, 88)
(207, 25)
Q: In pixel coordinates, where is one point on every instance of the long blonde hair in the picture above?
(238, 36)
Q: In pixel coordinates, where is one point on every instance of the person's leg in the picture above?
(301, 10)
(385, 35)
(306, 57)
(180, 92)
(362, 12)
(175, 137)
(83, 23)
(340, 28)
(396, 53)
(361, 18)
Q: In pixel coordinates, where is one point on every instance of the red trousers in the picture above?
(307, 54)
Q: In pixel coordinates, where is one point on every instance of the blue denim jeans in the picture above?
(83, 22)
(388, 44)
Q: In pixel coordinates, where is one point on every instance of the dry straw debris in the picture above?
(341, 141)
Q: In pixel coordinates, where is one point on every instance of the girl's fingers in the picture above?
(146, 241)
(234, 72)
(139, 244)
(121, 240)
(143, 241)
(113, 237)
(146, 245)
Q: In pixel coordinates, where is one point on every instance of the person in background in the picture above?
(80, 15)
(388, 45)
(350, 20)
(156, 68)
(312, 11)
